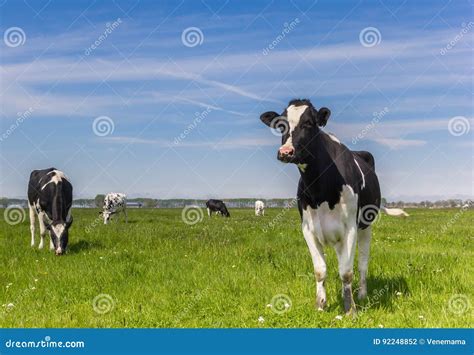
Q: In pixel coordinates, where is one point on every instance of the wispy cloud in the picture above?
(227, 143)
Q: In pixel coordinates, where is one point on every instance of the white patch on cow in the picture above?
(302, 167)
(361, 173)
(334, 138)
(294, 115)
(338, 228)
(58, 229)
(57, 177)
(330, 225)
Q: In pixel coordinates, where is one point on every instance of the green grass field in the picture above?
(157, 271)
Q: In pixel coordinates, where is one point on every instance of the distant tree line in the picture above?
(98, 202)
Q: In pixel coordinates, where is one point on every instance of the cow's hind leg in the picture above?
(317, 255)
(32, 224)
(125, 213)
(364, 236)
(345, 251)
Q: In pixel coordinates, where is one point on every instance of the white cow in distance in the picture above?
(259, 208)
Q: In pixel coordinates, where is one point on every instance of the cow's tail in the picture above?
(396, 212)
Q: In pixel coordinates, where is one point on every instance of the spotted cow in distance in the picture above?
(338, 194)
(50, 198)
(114, 203)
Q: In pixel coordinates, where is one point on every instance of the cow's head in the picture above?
(299, 124)
(106, 215)
(59, 232)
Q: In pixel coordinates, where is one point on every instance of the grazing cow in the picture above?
(114, 203)
(259, 208)
(218, 207)
(338, 193)
(50, 197)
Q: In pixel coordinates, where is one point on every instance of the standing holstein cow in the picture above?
(50, 197)
(218, 207)
(259, 208)
(114, 202)
(338, 193)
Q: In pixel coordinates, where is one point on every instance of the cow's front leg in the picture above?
(42, 229)
(345, 251)
(32, 224)
(317, 255)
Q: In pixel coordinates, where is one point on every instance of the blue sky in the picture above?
(395, 96)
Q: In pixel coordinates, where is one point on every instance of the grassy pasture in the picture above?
(157, 271)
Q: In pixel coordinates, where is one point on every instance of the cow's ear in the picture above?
(268, 118)
(322, 116)
(48, 226)
(68, 223)
(101, 213)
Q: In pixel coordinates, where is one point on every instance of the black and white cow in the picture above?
(218, 207)
(50, 197)
(114, 202)
(338, 193)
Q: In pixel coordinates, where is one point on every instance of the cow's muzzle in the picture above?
(286, 154)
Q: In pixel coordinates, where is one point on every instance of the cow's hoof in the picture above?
(351, 312)
(320, 304)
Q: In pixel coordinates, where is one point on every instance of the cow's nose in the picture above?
(59, 251)
(286, 150)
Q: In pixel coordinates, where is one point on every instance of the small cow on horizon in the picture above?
(114, 202)
(218, 207)
(338, 194)
(50, 197)
(259, 208)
